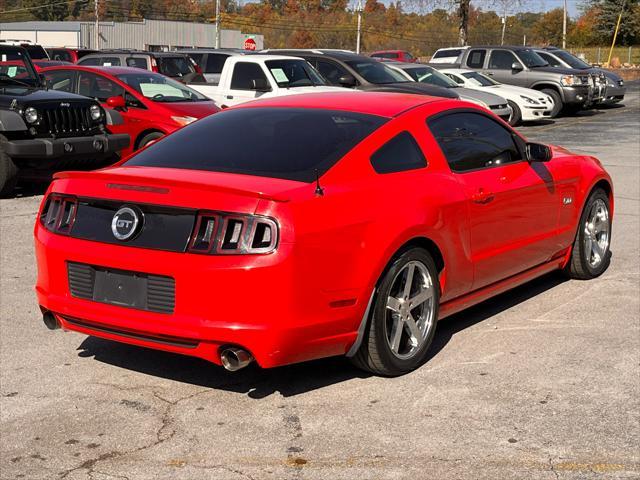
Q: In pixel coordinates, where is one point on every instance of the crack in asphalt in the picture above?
(165, 421)
(552, 468)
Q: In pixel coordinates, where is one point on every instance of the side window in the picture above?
(398, 154)
(91, 61)
(61, 80)
(472, 141)
(243, 75)
(502, 60)
(476, 58)
(137, 62)
(98, 87)
(331, 71)
(551, 60)
(215, 62)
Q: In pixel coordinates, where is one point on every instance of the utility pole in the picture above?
(359, 12)
(463, 26)
(504, 23)
(615, 33)
(96, 13)
(217, 23)
(564, 26)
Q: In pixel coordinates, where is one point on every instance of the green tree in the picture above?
(47, 11)
(608, 12)
(548, 29)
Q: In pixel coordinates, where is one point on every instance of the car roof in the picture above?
(383, 104)
(388, 51)
(101, 69)
(336, 54)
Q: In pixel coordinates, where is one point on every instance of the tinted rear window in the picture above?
(288, 143)
(36, 52)
(175, 66)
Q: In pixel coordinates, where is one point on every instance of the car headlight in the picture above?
(31, 115)
(529, 100)
(182, 121)
(570, 80)
(96, 112)
(621, 82)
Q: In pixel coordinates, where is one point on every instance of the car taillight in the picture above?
(59, 213)
(219, 234)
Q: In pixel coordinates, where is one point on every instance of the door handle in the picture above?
(490, 74)
(482, 197)
(229, 97)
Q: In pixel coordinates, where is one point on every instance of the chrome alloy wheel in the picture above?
(410, 310)
(596, 233)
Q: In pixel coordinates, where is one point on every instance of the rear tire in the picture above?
(148, 138)
(8, 171)
(516, 115)
(590, 253)
(557, 101)
(403, 318)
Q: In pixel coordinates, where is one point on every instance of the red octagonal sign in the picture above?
(249, 44)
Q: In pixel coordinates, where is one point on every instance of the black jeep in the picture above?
(45, 130)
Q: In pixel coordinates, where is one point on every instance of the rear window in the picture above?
(36, 52)
(175, 66)
(447, 53)
(287, 143)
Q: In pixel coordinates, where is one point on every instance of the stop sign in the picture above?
(249, 44)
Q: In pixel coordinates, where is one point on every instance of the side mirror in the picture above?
(537, 152)
(117, 103)
(260, 85)
(347, 81)
(517, 67)
(42, 78)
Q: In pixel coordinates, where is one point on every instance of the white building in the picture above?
(142, 35)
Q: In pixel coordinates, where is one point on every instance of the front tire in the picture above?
(590, 253)
(149, 138)
(516, 116)
(404, 316)
(557, 101)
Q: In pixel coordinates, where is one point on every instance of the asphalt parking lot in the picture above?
(542, 382)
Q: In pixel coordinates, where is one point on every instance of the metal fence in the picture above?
(628, 55)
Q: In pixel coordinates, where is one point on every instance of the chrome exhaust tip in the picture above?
(50, 321)
(234, 358)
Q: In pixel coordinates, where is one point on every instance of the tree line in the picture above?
(420, 26)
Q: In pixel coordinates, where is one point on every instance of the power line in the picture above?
(47, 5)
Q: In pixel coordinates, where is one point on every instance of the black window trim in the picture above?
(415, 143)
(517, 140)
(484, 58)
(248, 89)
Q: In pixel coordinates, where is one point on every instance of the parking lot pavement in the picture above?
(540, 383)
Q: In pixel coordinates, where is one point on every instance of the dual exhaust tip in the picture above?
(232, 358)
(235, 358)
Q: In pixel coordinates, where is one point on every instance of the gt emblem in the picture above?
(567, 200)
(126, 222)
(14, 104)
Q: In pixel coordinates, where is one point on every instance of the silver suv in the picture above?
(570, 89)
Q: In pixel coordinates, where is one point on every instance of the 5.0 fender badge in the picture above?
(567, 200)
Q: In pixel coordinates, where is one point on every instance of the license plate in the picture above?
(125, 289)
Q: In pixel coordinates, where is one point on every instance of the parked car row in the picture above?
(154, 93)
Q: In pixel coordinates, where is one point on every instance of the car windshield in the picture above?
(531, 59)
(288, 143)
(376, 72)
(431, 76)
(479, 80)
(175, 66)
(160, 88)
(16, 69)
(293, 73)
(571, 60)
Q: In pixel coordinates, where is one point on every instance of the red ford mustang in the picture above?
(307, 226)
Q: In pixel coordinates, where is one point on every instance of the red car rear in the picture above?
(395, 56)
(151, 104)
(307, 226)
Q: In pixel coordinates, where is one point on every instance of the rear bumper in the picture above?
(95, 146)
(266, 304)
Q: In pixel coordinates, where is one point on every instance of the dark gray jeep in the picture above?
(570, 89)
(45, 130)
